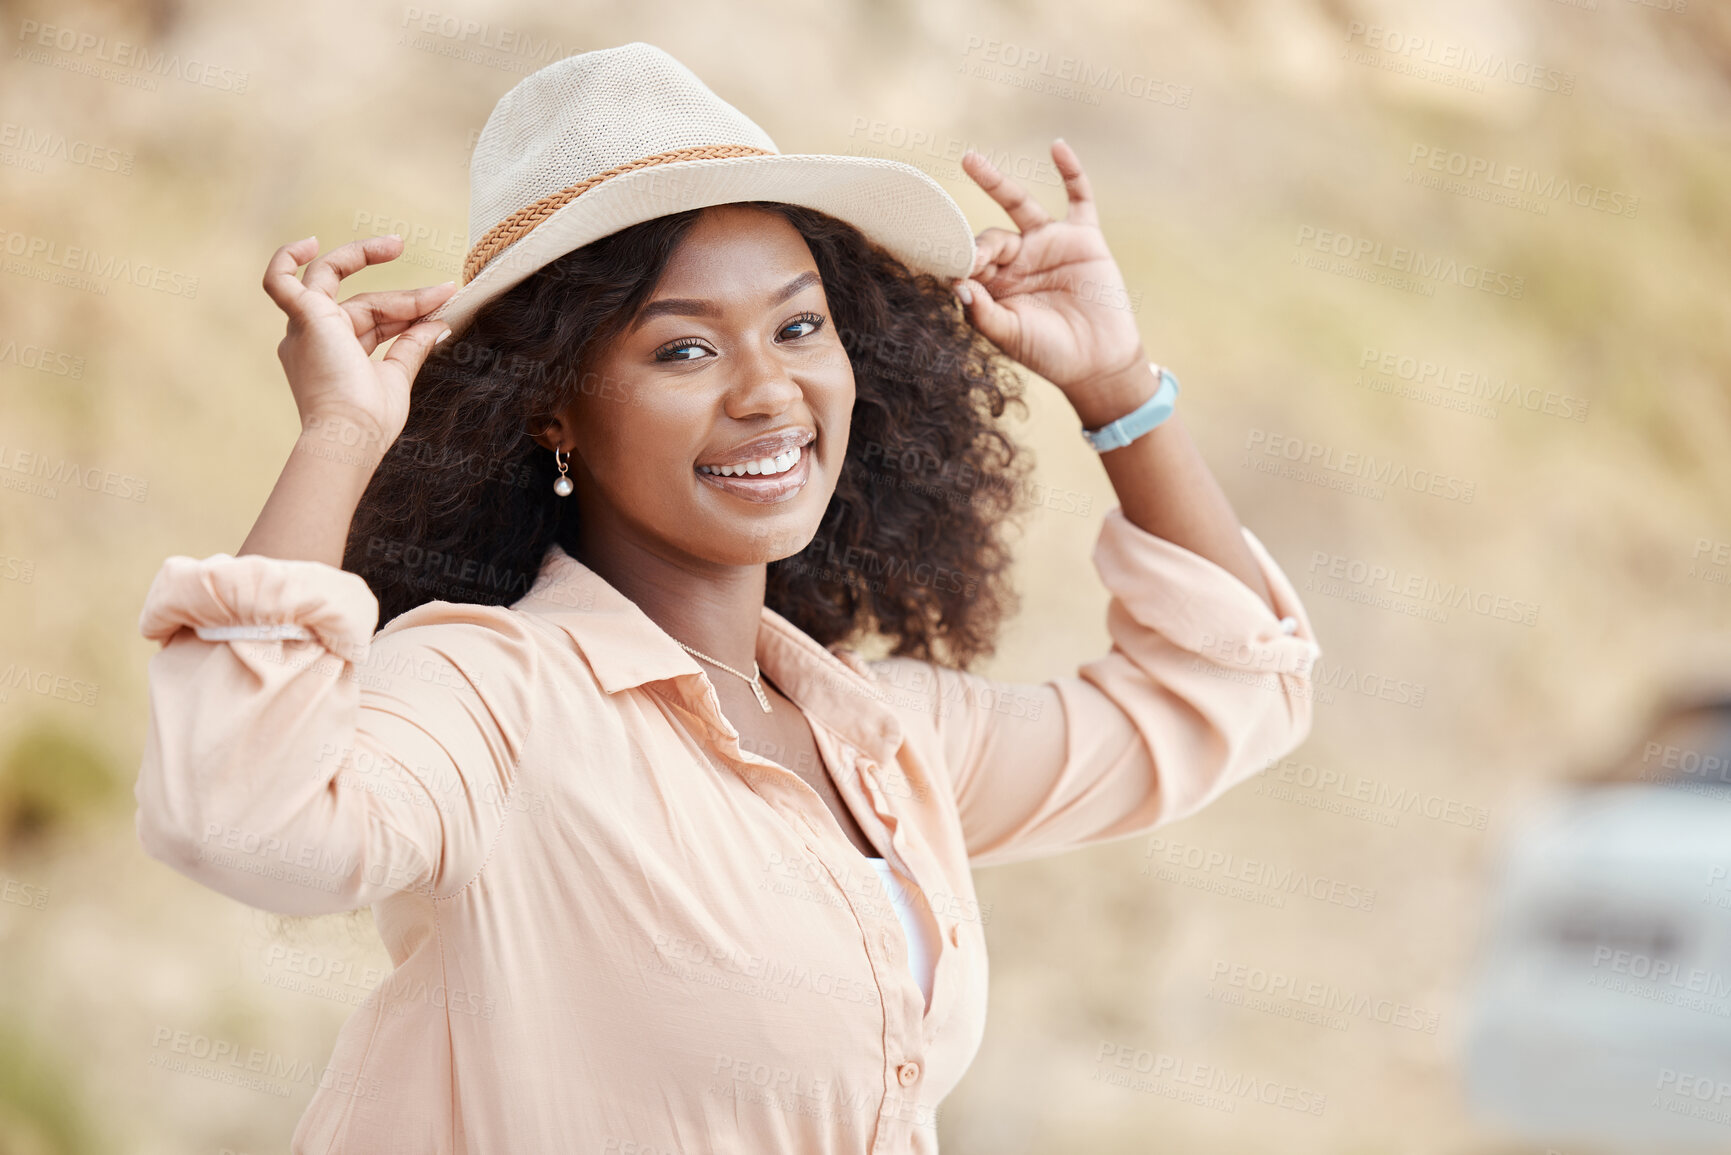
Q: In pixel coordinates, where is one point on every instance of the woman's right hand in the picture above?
(327, 353)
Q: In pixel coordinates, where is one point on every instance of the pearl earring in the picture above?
(561, 484)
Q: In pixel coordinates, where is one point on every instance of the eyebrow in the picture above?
(689, 307)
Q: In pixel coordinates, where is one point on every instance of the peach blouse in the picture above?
(614, 929)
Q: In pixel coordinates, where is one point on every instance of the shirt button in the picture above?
(907, 1073)
(885, 939)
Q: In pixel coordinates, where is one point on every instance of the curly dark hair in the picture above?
(910, 549)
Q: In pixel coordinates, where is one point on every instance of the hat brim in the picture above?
(894, 204)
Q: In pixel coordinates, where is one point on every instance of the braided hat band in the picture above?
(603, 140)
(518, 225)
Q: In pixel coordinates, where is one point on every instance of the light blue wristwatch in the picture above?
(1146, 416)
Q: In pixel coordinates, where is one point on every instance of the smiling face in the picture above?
(713, 429)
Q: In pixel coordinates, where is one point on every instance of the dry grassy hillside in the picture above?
(1545, 368)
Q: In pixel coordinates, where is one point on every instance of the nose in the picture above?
(762, 384)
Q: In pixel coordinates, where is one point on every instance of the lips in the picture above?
(770, 454)
(769, 469)
(759, 467)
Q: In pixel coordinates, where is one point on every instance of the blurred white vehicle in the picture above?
(1602, 1014)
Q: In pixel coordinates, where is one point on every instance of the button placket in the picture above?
(907, 849)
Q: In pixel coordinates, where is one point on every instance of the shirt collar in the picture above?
(625, 649)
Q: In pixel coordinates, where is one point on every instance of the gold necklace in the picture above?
(754, 678)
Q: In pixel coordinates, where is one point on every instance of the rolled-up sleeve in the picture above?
(301, 764)
(1203, 685)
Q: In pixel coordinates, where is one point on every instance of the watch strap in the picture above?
(1147, 416)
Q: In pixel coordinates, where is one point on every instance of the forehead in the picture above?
(735, 244)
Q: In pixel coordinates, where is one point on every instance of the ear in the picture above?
(556, 434)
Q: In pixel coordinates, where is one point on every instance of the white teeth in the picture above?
(763, 466)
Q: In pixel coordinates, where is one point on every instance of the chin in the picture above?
(771, 539)
(761, 532)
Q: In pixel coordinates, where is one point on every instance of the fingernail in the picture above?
(441, 336)
(442, 284)
(965, 293)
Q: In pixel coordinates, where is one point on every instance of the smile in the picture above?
(773, 478)
(762, 467)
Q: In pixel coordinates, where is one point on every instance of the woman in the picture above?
(662, 862)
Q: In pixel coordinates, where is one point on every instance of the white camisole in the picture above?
(917, 923)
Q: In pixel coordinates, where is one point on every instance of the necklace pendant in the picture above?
(762, 698)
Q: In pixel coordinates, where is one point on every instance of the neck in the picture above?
(708, 606)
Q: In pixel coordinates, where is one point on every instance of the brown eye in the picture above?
(812, 320)
(672, 352)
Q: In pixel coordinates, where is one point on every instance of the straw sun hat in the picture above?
(602, 140)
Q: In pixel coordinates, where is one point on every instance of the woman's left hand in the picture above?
(1051, 296)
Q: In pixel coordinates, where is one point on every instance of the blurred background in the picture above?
(1449, 288)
